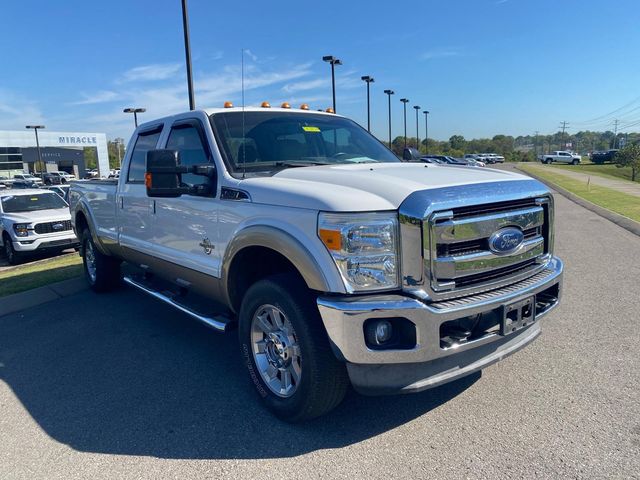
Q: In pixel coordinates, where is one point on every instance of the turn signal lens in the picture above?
(228, 105)
(331, 238)
(265, 105)
(147, 180)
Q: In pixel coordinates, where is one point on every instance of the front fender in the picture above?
(318, 274)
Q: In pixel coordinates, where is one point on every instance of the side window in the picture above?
(186, 139)
(146, 141)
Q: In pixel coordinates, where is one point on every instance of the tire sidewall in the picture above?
(269, 292)
(86, 238)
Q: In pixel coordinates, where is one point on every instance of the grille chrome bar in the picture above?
(485, 261)
(473, 228)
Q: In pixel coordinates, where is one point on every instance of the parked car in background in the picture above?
(473, 162)
(57, 178)
(93, 173)
(6, 181)
(62, 190)
(448, 160)
(27, 178)
(494, 158)
(32, 221)
(604, 157)
(561, 156)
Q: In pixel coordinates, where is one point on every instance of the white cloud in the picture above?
(158, 71)
(306, 85)
(102, 96)
(441, 52)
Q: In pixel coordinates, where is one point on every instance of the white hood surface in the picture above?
(38, 216)
(363, 187)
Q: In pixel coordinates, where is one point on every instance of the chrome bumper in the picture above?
(344, 319)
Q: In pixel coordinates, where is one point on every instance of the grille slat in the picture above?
(48, 227)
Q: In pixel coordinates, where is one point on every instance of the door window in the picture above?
(146, 141)
(187, 140)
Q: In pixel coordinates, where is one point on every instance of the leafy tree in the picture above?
(629, 156)
(457, 142)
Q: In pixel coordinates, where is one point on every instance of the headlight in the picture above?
(21, 229)
(364, 247)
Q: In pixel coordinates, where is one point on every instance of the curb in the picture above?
(620, 220)
(32, 298)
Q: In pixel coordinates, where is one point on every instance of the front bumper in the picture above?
(428, 364)
(40, 243)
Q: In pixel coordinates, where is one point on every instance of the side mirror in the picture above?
(163, 175)
(410, 154)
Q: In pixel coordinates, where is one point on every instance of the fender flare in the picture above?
(81, 207)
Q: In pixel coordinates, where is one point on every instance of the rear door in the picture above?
(132, 204)
(186, 228)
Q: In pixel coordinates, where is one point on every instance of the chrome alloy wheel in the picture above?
(275, 350)
(90, 261)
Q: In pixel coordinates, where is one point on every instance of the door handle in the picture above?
(121, 202)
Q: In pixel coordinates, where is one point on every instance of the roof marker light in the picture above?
(228, 105)
(265, 105)
(329, 110)
(304, 106)
(285, 105)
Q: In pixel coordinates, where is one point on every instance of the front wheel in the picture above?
(575, 162)
(101, 271)
(286, 350)
(9, 252)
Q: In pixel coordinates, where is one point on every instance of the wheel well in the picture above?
(252, 264)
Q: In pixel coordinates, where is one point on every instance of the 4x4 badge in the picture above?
(207, 245)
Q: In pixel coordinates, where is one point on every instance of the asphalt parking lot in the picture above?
(119, 386)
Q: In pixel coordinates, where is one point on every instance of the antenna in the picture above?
(244, 147)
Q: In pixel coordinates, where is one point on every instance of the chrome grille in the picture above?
(461, 261)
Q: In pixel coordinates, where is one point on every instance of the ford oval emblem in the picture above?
(506, 240)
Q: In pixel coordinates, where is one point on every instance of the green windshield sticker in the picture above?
(311, 129)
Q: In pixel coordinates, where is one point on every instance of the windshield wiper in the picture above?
(299, 163)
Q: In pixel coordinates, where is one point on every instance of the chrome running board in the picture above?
(220, 324)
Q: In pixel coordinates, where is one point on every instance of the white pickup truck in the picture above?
(338, 263)
(561, 156)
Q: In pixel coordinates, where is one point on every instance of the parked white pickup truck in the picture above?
(338, 263)
(561, 156)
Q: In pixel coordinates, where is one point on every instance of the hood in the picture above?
(38, 216)
(363, 187)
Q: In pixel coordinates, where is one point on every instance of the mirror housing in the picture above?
(163, 175)
(411, 154)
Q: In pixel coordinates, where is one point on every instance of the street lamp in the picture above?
(426, 131)
(187, 54)
(35, 128)
(405, 101)
(333, 61)
(389, 93)
(369, 80)
(118, 142)
(417, 107)
(135, 112)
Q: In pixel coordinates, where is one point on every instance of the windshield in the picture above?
(32, 202)
(276, 140)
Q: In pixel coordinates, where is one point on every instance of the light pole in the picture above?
(389, 93)
(135, 112)
(426, 131)
(369, 80)
(187, 54)
(118, 142)
(333, 61)
(35, 128)
(417, 107)
(405, 101)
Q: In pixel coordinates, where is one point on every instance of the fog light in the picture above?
(383, 331)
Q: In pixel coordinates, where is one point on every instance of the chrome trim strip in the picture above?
(461, 266)
(482, 226)
(210, 321)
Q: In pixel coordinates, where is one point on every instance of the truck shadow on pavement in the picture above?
(123, 374)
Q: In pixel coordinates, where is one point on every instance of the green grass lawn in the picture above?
(605, 170)
(622, 203)
(38, 274)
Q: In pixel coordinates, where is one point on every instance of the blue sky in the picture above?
(481, 67)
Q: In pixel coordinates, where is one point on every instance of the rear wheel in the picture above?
(101, 271)
(574, 162)
(286, 350)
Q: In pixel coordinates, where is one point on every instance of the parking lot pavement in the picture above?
(120, 386)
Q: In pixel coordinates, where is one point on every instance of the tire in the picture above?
(12, 257)
(318, 382)
(574, 162)
(101, 271)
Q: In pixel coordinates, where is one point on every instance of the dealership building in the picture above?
(60, 151)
